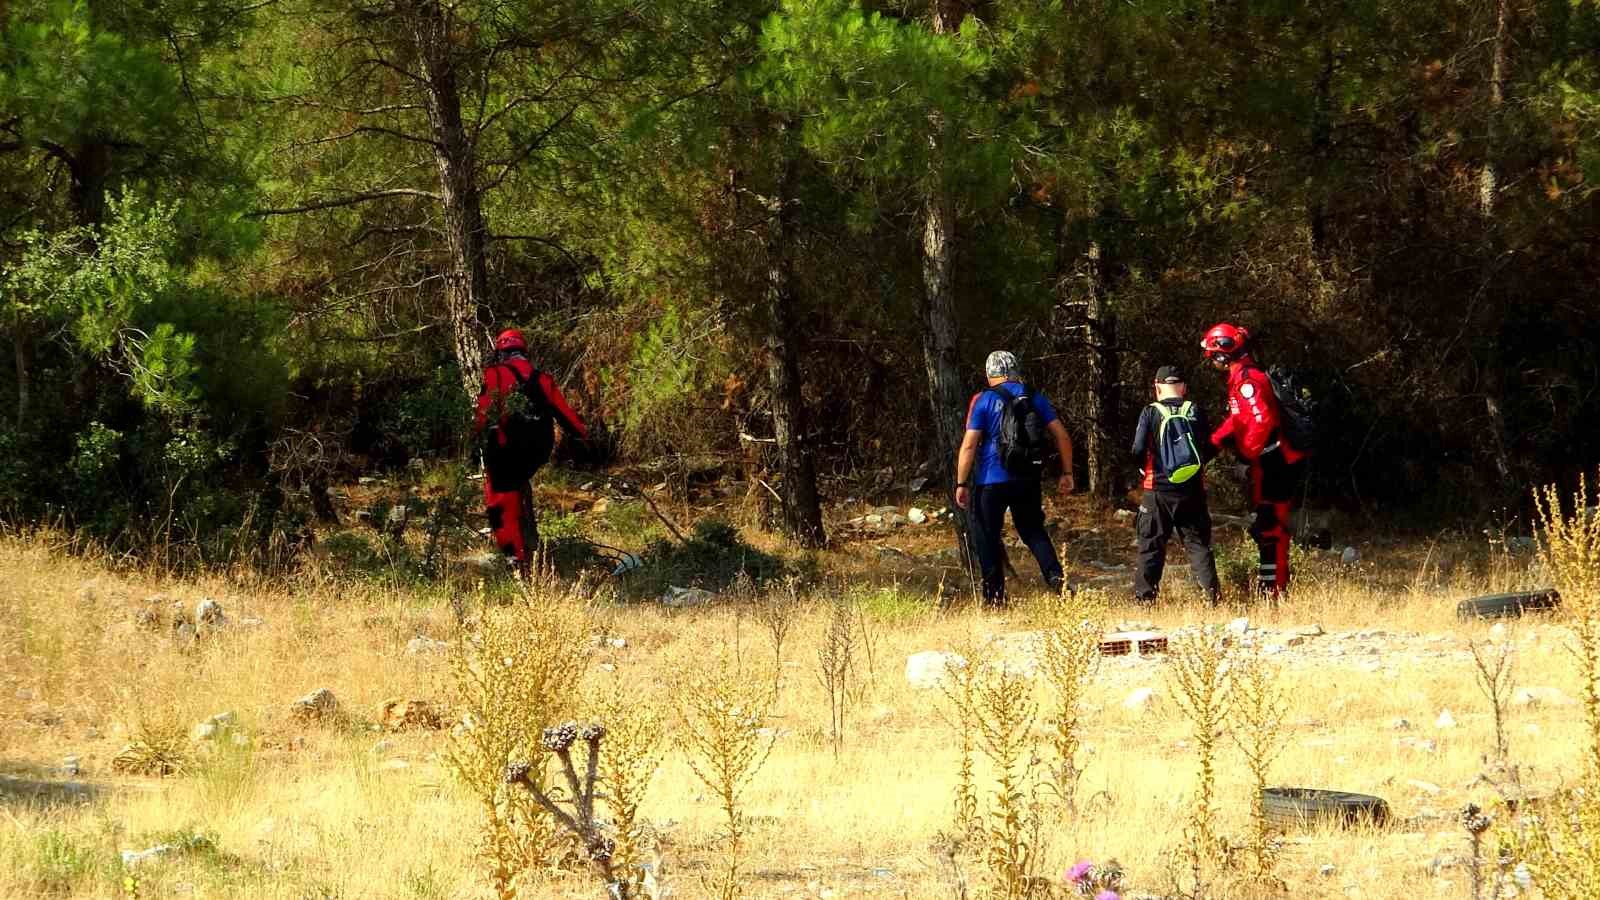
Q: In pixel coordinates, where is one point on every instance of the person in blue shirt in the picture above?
(987, 490)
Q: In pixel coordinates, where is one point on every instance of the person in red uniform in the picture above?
(517, 411)
(1253, 430)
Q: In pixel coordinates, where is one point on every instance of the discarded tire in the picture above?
(1507, 606)
(1302, 807)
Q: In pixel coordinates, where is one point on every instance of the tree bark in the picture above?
(23, 348)
(1100, 363)
(1321, 151)
(939, 342)
(1488, 179)
(91, 171)
(467, 273)
(802, 509)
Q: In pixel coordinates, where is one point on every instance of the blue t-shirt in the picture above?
(983, 414)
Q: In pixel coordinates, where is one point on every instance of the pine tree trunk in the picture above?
(939, 347)
(1321, 152)
(1488, 180)
(1097, 348)
(467, 274)
(22, 346)
(802, 509)
(1100, 362)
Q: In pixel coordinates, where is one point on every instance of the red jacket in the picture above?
(1253, 417)
(500, 380)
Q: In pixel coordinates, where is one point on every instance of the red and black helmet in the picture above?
(1225, 342)
(511, 339)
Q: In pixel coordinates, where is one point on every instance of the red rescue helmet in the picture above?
(511, 339)
(1225, 342)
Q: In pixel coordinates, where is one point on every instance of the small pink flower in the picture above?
(1080, 872)
(1107, 895)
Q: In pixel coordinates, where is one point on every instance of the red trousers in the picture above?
(512, 522)
(1273, 484)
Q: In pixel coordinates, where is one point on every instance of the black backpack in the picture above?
(1022, 439)
(529, 429)
(1297, 408)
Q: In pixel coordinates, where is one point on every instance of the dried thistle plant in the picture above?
(1199, 680)
(1006, 711)
(960, 689)
(725, 715)
(1258, 710)
(1476, 823)
(1561, 847)
(870, 639)
(578, 819)
(1494, 669)
(836, 668)
(523, 667)
(635, 743)
(776, 613)
(1569, 549)
(1074, 623)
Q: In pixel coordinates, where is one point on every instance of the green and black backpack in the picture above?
(1177, 455)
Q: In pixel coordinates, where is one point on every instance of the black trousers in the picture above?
(1026, 502)
(1160, 514)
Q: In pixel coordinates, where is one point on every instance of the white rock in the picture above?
(1445, 720)
(681, 597)
(204, 731)
(318, 704)
(131, 858)
(930, 667)
(1239, 625)
(1541, 696)
(24, 694)
(619, 643)
(916, 516)
(70, 766)
(224, 719)
(1401, 725)
(1273, 649)
(1498, 632)
(1426, 787)
(208, 612)
(1142, 700)
(420, 645)
(1350, 556)
(1326, 870)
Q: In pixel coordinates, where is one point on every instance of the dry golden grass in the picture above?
(311, 810)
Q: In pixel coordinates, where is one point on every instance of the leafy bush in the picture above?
(712, 557)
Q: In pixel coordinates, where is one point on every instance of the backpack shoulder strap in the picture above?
(1165, 411)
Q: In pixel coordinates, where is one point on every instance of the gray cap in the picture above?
(1002, 364)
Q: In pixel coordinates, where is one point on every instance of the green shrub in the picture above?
(56, 862)
(711, 557)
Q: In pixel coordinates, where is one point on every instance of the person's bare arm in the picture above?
(1064, 447)
(966, 457)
